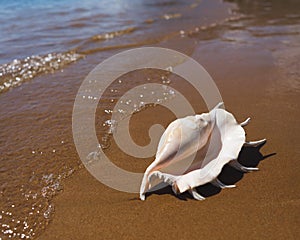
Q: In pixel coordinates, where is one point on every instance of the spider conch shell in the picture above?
(215, 136)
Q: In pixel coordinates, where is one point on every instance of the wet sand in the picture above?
(252, 51)
(265, 204)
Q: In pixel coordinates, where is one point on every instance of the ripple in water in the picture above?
(18, 71)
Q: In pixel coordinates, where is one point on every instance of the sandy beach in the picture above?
(265, 204)
(251, 50)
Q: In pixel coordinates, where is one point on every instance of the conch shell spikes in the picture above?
(216, 135)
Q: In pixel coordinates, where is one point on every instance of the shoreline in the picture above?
(252, 52)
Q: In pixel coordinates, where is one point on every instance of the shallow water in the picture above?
(39, 37)
(46, 50)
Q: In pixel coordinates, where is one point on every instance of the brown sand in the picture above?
(265, 204)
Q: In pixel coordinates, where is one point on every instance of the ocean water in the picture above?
(48, 47)
(43, 36)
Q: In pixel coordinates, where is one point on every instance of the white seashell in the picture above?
(215, 136)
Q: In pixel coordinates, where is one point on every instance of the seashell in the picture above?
(215, 136)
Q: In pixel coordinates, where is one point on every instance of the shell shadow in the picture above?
(168, 190)
(249, 157)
